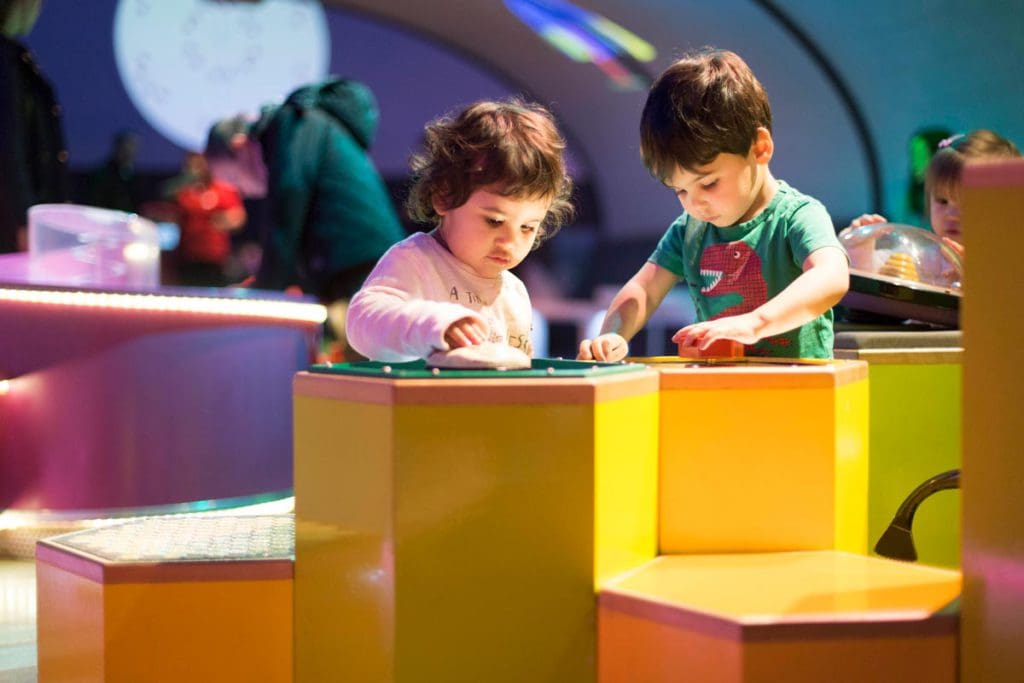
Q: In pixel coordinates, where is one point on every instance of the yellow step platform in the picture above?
(801, 617)
(454, 528)
(760, 455)
(167, 600)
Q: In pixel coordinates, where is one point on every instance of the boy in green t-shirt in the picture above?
(762, 260)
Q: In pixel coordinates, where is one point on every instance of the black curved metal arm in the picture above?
(898, 540)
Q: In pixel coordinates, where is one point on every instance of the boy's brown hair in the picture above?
(947, 164)
(705, 104)
(511, 146)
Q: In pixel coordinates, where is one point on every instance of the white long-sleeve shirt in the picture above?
(418, 289)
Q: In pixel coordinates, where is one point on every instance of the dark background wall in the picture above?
(903, 65)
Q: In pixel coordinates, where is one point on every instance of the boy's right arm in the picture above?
(628, 312)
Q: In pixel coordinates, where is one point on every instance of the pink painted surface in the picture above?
(116, 408)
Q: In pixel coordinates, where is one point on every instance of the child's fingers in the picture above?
(867, 219)
(477, 333)
(613, 348)
(465, 332)
(461, 335)
(585, 352)
(689, 336)
(456, 338)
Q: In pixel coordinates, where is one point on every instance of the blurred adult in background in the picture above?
(33, 157)
(209, 210)
(113, 185)
(331, 216)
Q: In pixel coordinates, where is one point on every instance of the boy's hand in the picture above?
(741, 328)
(465, 332)
(607, 347)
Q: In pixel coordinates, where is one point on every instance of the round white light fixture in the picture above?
(188, 63)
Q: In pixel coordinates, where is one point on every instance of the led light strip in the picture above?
(303, 312)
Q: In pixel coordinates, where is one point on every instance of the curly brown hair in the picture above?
(511, 146)
(705, 104)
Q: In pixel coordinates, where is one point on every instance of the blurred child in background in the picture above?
(942, 180)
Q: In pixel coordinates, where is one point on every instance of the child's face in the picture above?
(944, 213)
(727, 191)
(491, 233)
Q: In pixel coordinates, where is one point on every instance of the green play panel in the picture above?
(418, 369)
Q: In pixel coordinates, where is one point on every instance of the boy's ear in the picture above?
(763, 146)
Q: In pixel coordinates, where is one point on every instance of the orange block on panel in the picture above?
(453, 527)
(762, 455)
(723, 348)
(801, 617)
(167, 600)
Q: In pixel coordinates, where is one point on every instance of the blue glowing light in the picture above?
(587, 37)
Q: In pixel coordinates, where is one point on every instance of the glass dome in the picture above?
(904, 254)
(904, 272)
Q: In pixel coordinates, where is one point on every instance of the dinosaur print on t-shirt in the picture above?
(733, 269)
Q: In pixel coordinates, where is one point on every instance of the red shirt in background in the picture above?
(202, 210)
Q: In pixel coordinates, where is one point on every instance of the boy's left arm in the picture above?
(824, 281)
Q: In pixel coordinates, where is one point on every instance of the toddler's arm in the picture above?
(388, 324)
(824, 281)
(628, 313)
(393, 319)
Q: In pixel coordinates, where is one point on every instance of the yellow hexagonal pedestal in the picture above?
(762, 455)
(801, 617)
(167, 600)
(454, 527)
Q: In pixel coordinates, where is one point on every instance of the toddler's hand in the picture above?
(866, 219)
(465, 332)
(740, 328)
(607, 347)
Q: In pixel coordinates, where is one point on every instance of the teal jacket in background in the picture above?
(329, 208)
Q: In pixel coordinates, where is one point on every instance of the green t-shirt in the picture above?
(734, 270)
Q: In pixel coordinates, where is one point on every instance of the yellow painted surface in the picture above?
(162, 632)
(992, 622)
(852, 466)
(780, 587)
(626, 484)
(463, 541)
(344, 581)
(795, 617)
(756, 468)
(494, 545)
(916, 412)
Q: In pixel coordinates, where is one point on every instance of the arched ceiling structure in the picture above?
(896, 58)
(809, 114)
